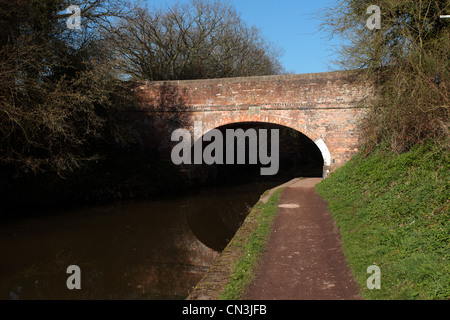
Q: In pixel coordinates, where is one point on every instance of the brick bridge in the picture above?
(323, 106)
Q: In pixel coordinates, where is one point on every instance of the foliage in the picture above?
(407, 60)
(56, 90)
(393, 211)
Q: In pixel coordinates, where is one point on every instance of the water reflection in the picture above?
(137, 250)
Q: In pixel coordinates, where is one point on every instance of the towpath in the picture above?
(304, 259)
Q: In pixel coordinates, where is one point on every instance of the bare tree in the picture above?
(198, 39)
(56, 87)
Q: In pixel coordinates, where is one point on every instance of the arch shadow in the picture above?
(299, 157)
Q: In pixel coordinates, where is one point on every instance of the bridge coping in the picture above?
(305, 76)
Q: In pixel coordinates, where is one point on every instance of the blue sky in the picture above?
(290, 25)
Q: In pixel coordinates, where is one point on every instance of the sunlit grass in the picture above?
(392, 211)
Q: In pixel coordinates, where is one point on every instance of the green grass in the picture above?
(254, 247)
(392, 211)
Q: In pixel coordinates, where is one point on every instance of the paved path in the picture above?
(304, 258)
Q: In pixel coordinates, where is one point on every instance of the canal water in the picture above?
(134, 250)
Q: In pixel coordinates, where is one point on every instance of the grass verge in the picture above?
(245, 269)
(392, 211)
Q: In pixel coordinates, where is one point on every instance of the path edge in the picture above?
(216, 279)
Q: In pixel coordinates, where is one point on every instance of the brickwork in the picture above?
(325, 107)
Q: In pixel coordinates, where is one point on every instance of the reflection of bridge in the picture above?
(323, 106)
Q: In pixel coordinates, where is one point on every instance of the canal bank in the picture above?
(215, 283)
(288, 248)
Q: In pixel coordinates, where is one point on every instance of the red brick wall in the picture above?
(323, 106)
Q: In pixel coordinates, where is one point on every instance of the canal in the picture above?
(146, 249)
(130, 250)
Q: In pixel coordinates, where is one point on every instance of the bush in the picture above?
(407, 60)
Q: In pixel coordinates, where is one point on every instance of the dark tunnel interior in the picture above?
(298, 157)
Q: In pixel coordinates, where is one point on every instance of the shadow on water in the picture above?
(156, 249)
(215, 221)
(136, 250)
(139, 250)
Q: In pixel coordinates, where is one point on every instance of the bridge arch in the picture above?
(218, 122)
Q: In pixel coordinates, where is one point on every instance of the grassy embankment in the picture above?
(392, 211)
